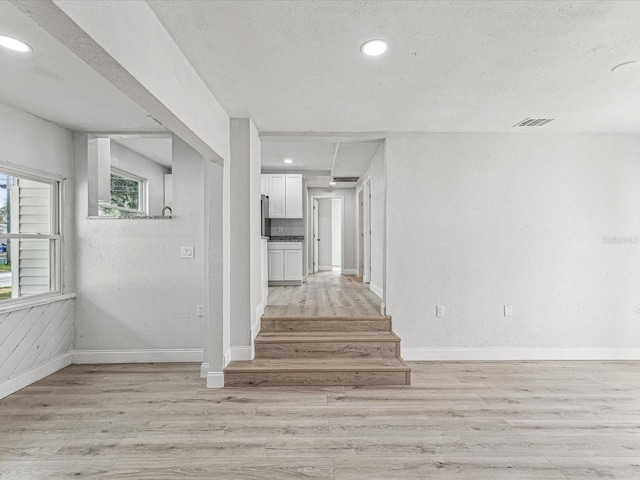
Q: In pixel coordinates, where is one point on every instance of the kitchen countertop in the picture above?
(287, 238)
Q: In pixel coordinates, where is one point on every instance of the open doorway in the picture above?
(328, 234)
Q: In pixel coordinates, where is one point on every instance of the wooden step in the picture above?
(318, 372)
(327, 344)
(327, 324)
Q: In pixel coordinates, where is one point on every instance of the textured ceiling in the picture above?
(470, 66)
(54, 84)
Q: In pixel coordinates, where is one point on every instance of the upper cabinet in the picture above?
(285, 195)
(264, 184)
(293, 196)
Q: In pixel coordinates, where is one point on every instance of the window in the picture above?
(127, 195)
(29, 236)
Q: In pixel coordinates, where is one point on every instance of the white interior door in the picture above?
(315, 236)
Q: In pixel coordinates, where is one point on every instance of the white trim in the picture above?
(25, 379)
(215, 380)
(383, 309)
(375, 289)
(256, 325)
(506, 354)
(33, 301)
(350, 271)
(241, 353)
(138, 356)
(324, 268)
(318, 196)
(204, 370)
(227, 357)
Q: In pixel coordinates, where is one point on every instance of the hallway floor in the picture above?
(326, 294)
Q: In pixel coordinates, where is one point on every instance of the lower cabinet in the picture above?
(285, 261)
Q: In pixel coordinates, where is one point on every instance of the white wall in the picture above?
(349, 200)
(33, 341)
(336, 232)
(376, 176)
(129, 161)
(324, 234)
(476, 221)
(135, 293)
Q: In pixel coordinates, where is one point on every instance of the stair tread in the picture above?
(318, 365)
(326, 318)
(326, 336)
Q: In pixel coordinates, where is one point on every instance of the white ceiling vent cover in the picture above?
(345, 179)
(534, 122)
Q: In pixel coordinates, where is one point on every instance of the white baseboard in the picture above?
(383, 309)
(204, 370)
(32, 376)
(325, 268)
(506, 354)
(241, 353)
(255, 327)
(375, 289)
(350, 271)
(227, 357)
(138, 356)
(215, 380)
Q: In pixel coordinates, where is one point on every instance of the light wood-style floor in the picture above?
(492, 421)
(326, 294)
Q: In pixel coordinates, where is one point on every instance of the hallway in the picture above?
(326, 294)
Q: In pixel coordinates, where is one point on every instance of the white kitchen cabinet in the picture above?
(285, 194)
(285, 262)
(293, 265)
(277, 192)
(276, 264)
(293, 196)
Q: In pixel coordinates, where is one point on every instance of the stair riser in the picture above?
(301, 325)
(281, 379)
(327, 349)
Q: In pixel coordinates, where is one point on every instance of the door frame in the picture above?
(314, 197)
(365, 224)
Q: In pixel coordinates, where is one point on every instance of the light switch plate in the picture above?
(199, 310)
(637, 310)
(186, 252)
(508, 310)
(440, 311)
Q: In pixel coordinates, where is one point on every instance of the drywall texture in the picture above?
(324, 239)
(159, 77)
(132, 162)
(134, 290)
(376, 176)
(349, 234)
(336, 232)
(255, 219)
(477, 221)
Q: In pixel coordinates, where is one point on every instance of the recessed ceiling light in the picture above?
(14, 44)
(288, 160)
(373, 48)
(626, 67)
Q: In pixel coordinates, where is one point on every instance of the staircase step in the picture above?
(318, 372)
(327, 344)
(315, 324)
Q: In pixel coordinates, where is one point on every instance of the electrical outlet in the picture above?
(637, 310)
(440, 311)
(199, 310)
(186, 252)
(508, 310)
(279, 229)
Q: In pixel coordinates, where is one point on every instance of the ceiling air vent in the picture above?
(534, 122)
(345, 179)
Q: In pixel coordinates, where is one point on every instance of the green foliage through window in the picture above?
(125, 192)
